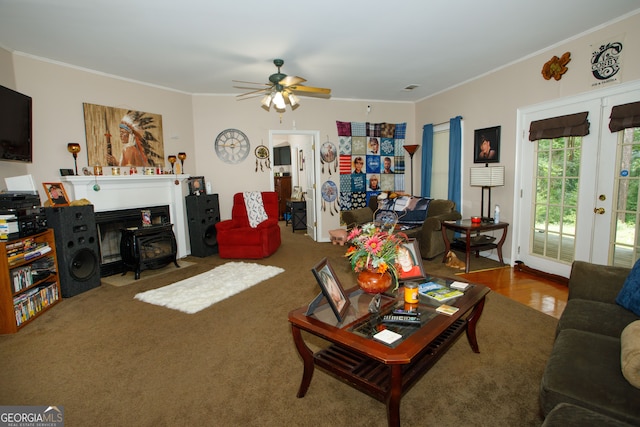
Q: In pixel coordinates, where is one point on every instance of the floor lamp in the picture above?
(411, 149)
(487, 177)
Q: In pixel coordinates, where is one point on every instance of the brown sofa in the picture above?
(428, 234)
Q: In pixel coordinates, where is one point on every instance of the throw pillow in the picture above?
(630, 353)
(629, 295)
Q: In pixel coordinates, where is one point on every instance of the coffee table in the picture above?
(384, 371)
(469, 245)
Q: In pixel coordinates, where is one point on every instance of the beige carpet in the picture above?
(129, 278)
(111, 360)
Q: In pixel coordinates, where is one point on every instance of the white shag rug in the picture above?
(199, 292)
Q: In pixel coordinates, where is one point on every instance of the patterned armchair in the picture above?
(237, 239)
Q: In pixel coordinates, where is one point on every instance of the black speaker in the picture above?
(203, 213)
(77, 248)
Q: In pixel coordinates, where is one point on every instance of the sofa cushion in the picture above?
(410, 210)
(584, 370)
(595, 316)
(440, 206)
(566, 414)
(629, 296)
(630, 353)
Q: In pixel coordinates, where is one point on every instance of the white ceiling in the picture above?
(361, 49)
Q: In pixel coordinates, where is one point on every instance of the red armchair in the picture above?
(237, 239)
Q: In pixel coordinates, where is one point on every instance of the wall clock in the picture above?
(232, 146)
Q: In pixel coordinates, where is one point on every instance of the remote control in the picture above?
(402, 312)
(410, 320)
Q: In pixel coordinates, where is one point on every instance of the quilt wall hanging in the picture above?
(371, 160)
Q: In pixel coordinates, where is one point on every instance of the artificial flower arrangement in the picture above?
(374, 249)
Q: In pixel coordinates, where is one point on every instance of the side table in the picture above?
(298, 211)
(475, 244)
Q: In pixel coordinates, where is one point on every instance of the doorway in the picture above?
(570, 192)
(302, 169)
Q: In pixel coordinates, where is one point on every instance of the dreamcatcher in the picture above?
(262, 155)
(328, 155)
(329, 192)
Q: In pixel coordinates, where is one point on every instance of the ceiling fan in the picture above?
(281, 90)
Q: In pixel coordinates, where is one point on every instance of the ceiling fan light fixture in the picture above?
(278, 101)
(293, 100)
(266, 101)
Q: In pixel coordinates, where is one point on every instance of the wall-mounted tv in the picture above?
(15, 126)
(282, 156)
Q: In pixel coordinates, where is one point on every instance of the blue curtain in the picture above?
(455, 160)
(427, 155)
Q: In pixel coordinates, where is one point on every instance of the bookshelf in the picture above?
(29, 282)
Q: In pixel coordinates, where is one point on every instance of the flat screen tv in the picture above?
(15, 126)
(281, 156)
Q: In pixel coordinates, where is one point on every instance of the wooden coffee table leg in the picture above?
(307, 358)
(472, 321)
(393, 398)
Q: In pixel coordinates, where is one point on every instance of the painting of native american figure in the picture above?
(121, 137)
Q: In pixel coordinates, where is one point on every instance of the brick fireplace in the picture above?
(136, 192)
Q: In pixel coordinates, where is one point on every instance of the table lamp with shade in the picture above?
(487, 177)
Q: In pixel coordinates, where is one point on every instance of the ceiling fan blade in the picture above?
(254, 92)
(251, 83)
(251, 88)
(247, 96)
(291, 80)
(302, 88)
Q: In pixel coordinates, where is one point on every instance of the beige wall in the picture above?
(212, 114)
(191, 122)
(494, 100)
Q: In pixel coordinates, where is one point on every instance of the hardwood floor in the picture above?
(542, 294)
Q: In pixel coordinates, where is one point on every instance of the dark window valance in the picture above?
(555, 127)
(625, 116)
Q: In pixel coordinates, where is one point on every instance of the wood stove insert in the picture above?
(148, 247)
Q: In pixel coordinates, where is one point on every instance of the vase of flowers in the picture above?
(373, 252)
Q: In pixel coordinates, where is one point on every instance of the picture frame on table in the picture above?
(196, 185)
(409, 260)
(56, 193)
(331, 288)
(486, 145)
(296, 193)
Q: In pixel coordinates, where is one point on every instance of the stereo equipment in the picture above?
(203, 213)
(18, 200)
(77, 248)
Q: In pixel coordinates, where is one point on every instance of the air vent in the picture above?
(410, 87)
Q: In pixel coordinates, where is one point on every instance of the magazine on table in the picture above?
(438, 292)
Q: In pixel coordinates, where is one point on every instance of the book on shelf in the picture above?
(447, 309)
(22, 278)
(438, 292)
(31, 253)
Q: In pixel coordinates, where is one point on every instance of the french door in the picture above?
(578, 195)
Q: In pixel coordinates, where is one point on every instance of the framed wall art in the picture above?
(486, 146)
(121, 137)
(331, 288)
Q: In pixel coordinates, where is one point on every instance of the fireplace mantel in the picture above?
(136, 191)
